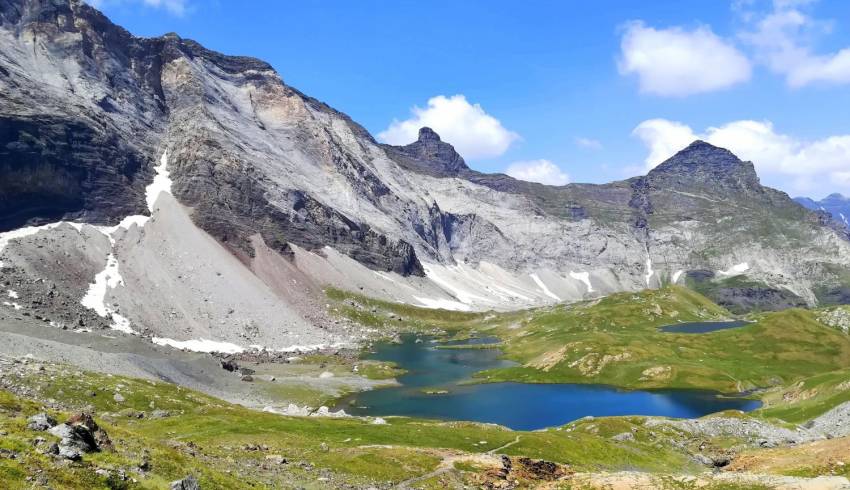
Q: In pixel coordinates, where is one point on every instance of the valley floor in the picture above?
(160, 432)
(171, 413)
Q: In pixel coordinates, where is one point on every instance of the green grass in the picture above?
(808, 398)
(209, 438)
(616, 341)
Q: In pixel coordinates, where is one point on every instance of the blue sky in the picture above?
(563, 90)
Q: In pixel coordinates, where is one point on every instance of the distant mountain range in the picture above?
(186, 194)
(835, 204)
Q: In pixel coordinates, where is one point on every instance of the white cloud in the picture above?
(663, 138)
(677, 62)
(474, 133)
(589, 143)
(783, 40)
(542, 171)
(176, 7)
(804, 166)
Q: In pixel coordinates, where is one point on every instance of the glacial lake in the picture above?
(519, 406)
(702, 327)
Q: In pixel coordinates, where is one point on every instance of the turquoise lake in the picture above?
(516, 405)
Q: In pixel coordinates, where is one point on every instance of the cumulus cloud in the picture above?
(783, 41)
(676, 62)
(542, 171)
(589, 143)
(803, 165)
(176, 7)
(474, 133)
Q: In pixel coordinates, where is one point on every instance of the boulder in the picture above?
(40, 421)
(188, 483)
(100, 436)
(69, 452)
(229, 365)
(160, 414)
(80, 434)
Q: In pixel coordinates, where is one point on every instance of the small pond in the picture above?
(702, 327)
(430, 389)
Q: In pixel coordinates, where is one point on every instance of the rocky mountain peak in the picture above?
(835, 197)
(428, 134)
(702, 164)
(430, 154)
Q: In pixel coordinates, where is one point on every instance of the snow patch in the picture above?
(310, 348)
(295, 410)
(583, 277)
(543, 287)
(121, 323)
(12, 294)
(441, 304)
(446, 282)
(161, 182)
(13, 305)
(199, 345)
(649, 271)
(95, 298)
(677, 275)
(108, 278)
(735, 270)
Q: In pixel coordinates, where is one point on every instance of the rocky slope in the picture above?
(221, 198)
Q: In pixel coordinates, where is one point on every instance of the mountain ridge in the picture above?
(301, 194)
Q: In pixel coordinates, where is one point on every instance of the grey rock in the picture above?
(76, 436)
(160, 414)
(624, 437)
(188, 483)
(41, 422)
(704, 460)
(70, 452)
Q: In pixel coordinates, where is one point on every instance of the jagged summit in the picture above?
(428, 134)
(705, 165)
(430, 154)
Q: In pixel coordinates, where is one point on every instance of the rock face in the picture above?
(302, 196)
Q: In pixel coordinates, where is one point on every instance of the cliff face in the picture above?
(86, 111)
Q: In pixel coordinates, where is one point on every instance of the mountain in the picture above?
(836, 205)
(155, 186)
